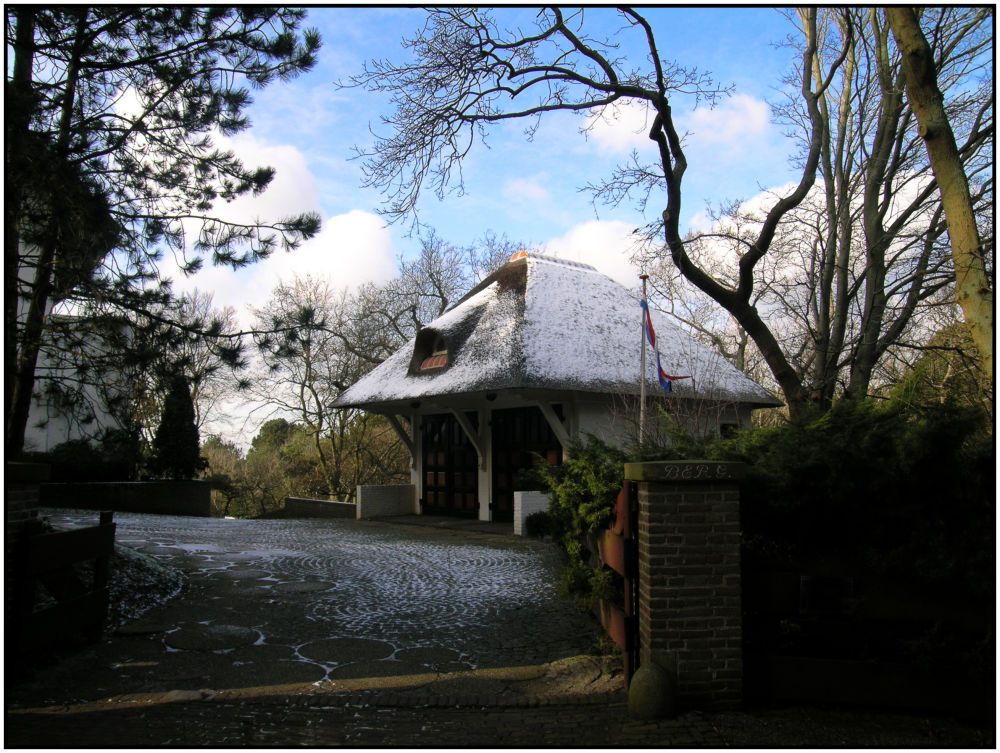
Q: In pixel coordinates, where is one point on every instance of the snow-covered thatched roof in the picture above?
(547, 324)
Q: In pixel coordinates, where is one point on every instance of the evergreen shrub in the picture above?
(538, 524)
(893, 496)
(583, 491)
(176, 448)
(887, 488)
(890, 492)
(80, 461)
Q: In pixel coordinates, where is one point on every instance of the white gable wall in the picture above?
(598, 416)
(48, 425)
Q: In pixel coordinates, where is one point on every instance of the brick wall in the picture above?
(526, 503)
(376, 501)
(301, 507)
(689, 576)
(22, 482)
(20, 500)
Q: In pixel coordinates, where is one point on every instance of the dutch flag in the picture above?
(665, 378)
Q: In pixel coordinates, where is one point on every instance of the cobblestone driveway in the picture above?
(319, 601)
(343, 633)
(329, 632)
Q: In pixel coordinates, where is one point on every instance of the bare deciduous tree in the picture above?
(307, 365)
(316, 340)
(469, 72)
(858, 269)
(920, 67)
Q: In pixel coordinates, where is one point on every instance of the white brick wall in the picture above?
(526, 503)
(303, 507)
(376, 501)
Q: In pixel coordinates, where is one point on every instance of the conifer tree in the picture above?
(119, 105)
(176, 447)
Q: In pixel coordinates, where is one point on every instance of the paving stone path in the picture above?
(343, 598)
(330, 632)
(343, 633)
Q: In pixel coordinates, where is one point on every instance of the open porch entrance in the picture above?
(453, 475)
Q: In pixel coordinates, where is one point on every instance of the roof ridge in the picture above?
(551, 259)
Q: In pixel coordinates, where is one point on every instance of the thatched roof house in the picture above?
(541, 351)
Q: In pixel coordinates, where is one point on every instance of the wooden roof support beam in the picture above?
(406, 437)
(557, 426)
(472, 434)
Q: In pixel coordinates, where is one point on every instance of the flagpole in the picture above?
(642, 370)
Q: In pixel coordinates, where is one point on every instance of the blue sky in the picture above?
(529, 191)
(306, 129)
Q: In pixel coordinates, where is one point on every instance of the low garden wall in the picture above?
(526, 503)
(301, 507)
(158, 497)
(380, 501)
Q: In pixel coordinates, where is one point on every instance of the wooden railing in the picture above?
(74, 601)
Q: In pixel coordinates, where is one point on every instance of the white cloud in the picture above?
(349, 250)
(700, 222)
(737, 120)
(620, 127)
(730, 150)
(757, 205)
(524, 189)
(291, 192)
(607, 246)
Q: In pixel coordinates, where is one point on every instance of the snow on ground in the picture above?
(137, 584)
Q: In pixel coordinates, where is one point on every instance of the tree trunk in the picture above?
(738, 301)
(31, 336)
(18, 114)
(972, 289)
(30, 344)
(788, 380)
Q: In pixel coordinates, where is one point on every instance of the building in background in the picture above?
(542, 352)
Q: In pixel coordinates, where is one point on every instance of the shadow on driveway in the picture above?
(427, 613)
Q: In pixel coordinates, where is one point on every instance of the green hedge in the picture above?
(887, 491)
(78, 460)
(883, 488)
(896, 500)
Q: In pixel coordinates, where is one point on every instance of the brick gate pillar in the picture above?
(689, 576)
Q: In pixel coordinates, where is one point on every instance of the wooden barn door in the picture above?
(450, 468)
(520, 436)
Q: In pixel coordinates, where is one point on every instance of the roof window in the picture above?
(438, 357)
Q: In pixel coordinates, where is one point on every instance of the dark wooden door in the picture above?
(520, 437)
(450, 467)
